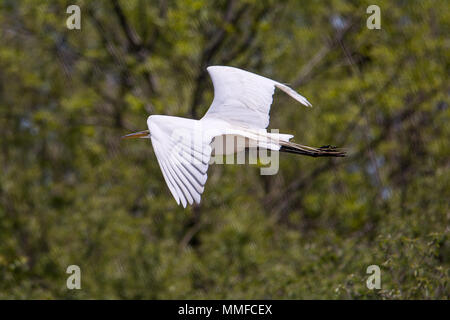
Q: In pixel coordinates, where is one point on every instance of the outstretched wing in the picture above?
(243, 97)
(183, 155)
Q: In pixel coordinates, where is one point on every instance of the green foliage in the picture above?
(71, 192)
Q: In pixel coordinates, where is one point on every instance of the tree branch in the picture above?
(129, 32)
(305, 72)
(211, 50)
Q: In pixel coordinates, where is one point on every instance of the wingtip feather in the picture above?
(289, 91)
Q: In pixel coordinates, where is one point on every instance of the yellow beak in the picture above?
(136, 135)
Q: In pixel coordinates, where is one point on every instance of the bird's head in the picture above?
(135, 135)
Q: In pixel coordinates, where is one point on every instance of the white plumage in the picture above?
(244, 98)
(240, 108)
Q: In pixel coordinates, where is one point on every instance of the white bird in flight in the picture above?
(240, 108)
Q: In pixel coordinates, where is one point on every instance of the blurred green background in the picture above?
(71, 192)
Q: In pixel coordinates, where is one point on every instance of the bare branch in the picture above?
(211, 50)
(307, 69)
(130, 33)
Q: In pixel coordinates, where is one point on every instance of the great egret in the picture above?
(240, 109)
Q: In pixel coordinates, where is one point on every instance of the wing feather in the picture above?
(173, 187)
(178, 181)
(182, 156)
(188, 172)
(243, 97)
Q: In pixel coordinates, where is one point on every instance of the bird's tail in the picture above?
(325, 151)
